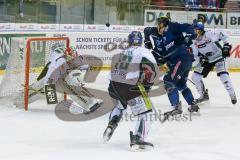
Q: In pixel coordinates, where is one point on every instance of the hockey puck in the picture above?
(107, 24)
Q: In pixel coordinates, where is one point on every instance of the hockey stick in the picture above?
(32, 89)
(191, 81)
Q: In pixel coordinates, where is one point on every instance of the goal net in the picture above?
(27, 59)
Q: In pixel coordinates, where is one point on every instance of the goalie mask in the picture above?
(70, 53)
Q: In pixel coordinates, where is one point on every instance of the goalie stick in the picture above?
(49, 97)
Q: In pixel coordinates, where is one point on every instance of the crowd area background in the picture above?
(119, 12)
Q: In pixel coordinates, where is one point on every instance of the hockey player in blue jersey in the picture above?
(170, 46)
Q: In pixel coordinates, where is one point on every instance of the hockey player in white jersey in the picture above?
(132, 75)
(208, 54)
(66, 70)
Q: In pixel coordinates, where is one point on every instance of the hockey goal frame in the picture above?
(27, 64)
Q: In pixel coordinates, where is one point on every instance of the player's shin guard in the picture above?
(226, 81)
(187, 94)
(197, 80)
(114, 119)
(173, 96)
(143, 124)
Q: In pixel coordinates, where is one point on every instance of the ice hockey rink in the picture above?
(39, 135)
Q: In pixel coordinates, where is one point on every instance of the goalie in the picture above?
(66, 71)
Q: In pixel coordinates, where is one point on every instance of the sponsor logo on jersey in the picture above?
(203, 44)
(169, 45)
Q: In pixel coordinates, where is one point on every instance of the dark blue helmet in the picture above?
(199, 26)
(135, 37)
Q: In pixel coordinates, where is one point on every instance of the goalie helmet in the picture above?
(70, 53)
(135, 38)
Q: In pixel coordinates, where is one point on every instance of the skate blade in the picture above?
(141, 148)
(107, 135)
(195, 113)
(204, 102)
(165, 118)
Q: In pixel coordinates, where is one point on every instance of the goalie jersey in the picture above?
(208, 46)
(128, 66)
(60, 64)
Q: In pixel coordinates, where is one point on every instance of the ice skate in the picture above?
(203, 98)
(194, 108)
(177, 110)
(234, 99)
(112, 125)
(136, 144)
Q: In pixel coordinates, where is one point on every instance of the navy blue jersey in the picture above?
(171, 45)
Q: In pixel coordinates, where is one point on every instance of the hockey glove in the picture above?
(147, 41)
(226, 50)
(161, 61)
(189, 50)
(148, 44)
(147, 75)
(188, 40)
(203, 61)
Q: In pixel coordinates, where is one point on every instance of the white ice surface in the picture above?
(39, 135)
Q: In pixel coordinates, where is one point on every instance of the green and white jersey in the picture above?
(127, 66)
(205, 46)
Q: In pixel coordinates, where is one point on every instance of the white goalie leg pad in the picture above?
(118, 110)
(197, 80)
(75, 77)
(89, 104)
(79, 94)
